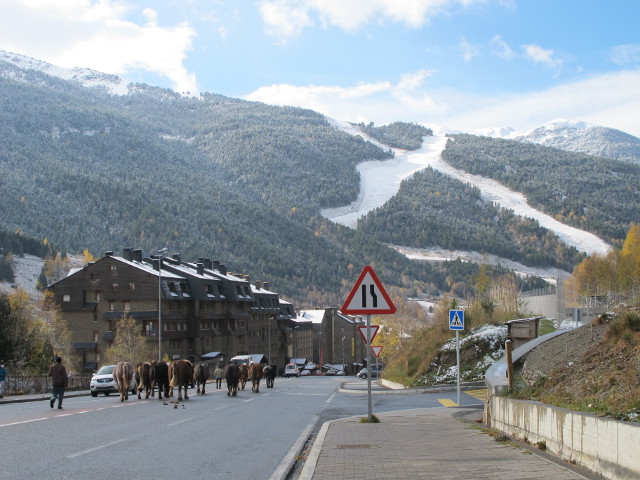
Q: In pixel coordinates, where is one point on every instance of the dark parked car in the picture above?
(375, 371)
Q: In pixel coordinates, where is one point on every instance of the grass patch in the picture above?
(374, 419)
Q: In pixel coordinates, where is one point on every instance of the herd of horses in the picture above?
(182, 374)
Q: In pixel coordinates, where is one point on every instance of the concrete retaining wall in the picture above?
(605, 446)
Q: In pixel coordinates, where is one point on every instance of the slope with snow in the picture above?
(84, 76)
(581, 137)
(380, 180)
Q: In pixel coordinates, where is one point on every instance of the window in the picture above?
(95, 276)
(111, 306)
(114, 286)
(113, 267)
(95, 336)
(98, 296)
(66, 297)
(126, 305)
(132, 287)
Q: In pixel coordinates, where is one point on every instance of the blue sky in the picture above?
(460, 64)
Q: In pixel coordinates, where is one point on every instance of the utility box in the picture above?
(521, 330)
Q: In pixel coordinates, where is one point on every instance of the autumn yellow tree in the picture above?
(129, 345)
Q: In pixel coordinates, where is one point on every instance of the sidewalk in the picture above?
(36, 397)
(433, 443)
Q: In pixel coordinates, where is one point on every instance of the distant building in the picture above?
(202, 308)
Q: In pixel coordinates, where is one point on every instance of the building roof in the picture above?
(314, 316)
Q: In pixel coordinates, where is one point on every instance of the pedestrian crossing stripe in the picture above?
(447, 403)
(480, 394)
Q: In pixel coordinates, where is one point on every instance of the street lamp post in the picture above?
(160, 252)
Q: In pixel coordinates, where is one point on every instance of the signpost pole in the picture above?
(458, 364)
(369, 369)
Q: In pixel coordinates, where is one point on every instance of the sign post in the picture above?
(456, 322)
(368, 297)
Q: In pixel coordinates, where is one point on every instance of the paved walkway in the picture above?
(424, 444)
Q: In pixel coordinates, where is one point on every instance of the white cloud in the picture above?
(625, 54)
(501, 48)
(468, 50)
(612, 100)
(84, 33)
(287, 18)
(537, 54)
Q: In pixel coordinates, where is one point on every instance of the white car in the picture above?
(291, 370)
(103, 382)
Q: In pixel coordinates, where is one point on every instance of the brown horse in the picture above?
(201, 375)
(255, 374)
(144, 379)
(244, 375)
(181, 375)
(122, 374)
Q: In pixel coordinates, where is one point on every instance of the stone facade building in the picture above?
(190, 308)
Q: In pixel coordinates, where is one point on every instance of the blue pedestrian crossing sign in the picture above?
(456, 319)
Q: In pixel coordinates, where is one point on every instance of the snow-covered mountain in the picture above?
(84, 76)
(579, 137)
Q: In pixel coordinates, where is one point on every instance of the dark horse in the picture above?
(269, 373)
(161, 374)
(232, 377)
(201, 375)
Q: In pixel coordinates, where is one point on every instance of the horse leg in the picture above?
(186, 395)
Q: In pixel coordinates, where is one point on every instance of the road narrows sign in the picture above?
(368, 296)
(363, 331)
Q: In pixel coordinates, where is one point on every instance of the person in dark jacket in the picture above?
(59, 381)
(3, 377)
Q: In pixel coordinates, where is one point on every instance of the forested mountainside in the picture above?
(403, 135)
(242, 182)
(592, 193)
(219, 177)
(434, 209)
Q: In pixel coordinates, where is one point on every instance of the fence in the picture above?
(28, 384)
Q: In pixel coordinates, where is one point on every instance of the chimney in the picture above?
(265, 285)
(258, 283)
(208, 263)
(200, 268)
(176, 257)
(127, 254)
(108, 253)
(156, 263)
(201, 260)
(136, 255)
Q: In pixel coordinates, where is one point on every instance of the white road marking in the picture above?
(99, 447)
(180, 421)
(328, 400)
(23, 421)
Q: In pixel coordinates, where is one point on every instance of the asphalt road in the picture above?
(255, 436)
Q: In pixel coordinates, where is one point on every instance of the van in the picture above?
(291, 370)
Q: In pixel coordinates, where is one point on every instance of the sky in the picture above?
(462, 65)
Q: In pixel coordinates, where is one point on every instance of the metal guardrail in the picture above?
(30, 384)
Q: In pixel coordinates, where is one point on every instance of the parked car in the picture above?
(305, 373)
(376, 369)
(103, 382)
(291, 370)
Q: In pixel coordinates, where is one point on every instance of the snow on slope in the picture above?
(581, 137)
(84, 76)
(380, 180)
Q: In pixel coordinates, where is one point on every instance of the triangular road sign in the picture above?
(368, 296)
(363, 331)
(376, 349)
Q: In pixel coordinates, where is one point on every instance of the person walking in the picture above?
(59, 381)
(3, 377)
(218, 374)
